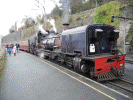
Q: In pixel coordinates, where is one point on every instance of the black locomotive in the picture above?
(89, 49)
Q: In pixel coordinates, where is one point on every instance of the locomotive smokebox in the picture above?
(65, 26)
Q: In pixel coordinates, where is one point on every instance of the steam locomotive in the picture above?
(89, 49)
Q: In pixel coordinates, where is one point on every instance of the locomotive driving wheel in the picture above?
(56, 59)
(84, 68)
(45, 57)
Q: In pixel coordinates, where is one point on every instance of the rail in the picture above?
(118, 83)
(129, 61)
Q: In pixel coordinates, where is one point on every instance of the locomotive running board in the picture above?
(106, 76)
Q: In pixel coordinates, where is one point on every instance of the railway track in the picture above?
(129, 61)
(122, 84)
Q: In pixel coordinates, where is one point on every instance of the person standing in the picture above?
(6, 47)
(17, 46)
(9, 51)
(11, 46)
(14, 50)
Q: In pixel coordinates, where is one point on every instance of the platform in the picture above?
(27, 77)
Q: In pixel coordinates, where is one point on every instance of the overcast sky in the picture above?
(15, 10)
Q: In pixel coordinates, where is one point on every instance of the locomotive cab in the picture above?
(104, 38)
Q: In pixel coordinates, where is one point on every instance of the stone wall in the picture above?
(78, 19)
(126, 12)
(131, 46)
(2, 59)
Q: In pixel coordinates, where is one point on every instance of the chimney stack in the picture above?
(65, 26)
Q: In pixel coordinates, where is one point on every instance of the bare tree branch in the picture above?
(42, 7)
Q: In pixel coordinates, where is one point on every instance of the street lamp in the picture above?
(112, 20)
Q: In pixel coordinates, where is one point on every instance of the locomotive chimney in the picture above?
(66, 4)
(65, 26)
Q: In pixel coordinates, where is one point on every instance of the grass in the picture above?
(78, 18)
(70, 19)
(130, 4)
(103, 14)
(122, 7)
(82, 23)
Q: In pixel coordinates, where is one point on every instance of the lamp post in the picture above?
(112, 20)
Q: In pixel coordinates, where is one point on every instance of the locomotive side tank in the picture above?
(52, 44)
(50, 41)
(82, 38)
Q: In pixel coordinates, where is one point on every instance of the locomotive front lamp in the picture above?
(121, 64)
(112, 18)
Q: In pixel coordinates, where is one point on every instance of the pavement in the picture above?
(27, 77)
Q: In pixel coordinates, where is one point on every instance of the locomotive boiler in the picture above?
(89, 49)
(35, 41)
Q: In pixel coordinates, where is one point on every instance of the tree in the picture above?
(28, 22)
(56, 12)
(41, 6)
(12, 29)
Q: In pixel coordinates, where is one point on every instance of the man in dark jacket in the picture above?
(11, 46)
(17, 47)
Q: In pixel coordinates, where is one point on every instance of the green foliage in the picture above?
(100, 2)
(78, 18)
(47, 26)
(11, 31)
(84, 16)
(103, 14)
(82, 23)
(26, 33)
(56, 12)
(130, 22)
(130, 4)
(29, 22)
(2, 62)
(126, 5)
(41, 21)
(70, 19)
(81, 5)
(122, 7)
(130, 33)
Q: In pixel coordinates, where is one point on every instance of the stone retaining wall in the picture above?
(2, 58)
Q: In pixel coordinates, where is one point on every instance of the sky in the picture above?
(12, 11)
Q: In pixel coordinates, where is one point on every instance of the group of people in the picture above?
(13, 48)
